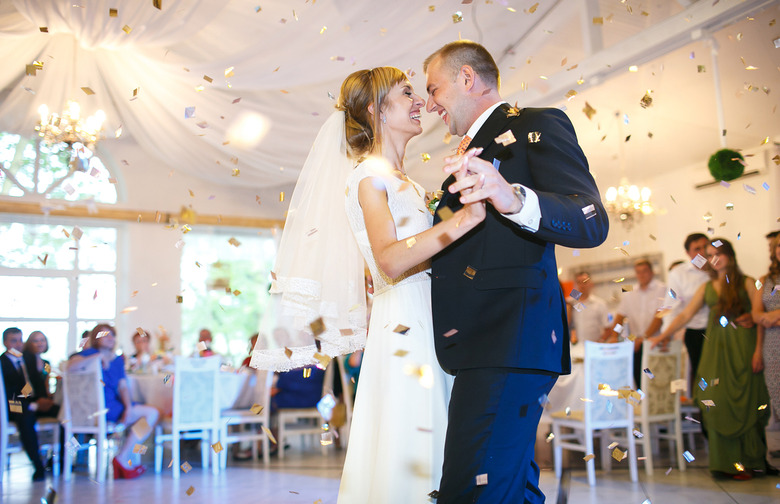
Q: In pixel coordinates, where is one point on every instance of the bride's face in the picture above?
(402, 111)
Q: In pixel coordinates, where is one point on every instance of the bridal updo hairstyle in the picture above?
(359, 90)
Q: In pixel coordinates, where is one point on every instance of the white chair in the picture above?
(260, 393)
(195, 412)
(607, 364)
(660, 407)
(83, 411)
(303, 421)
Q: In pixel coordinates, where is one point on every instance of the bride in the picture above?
(396, 443)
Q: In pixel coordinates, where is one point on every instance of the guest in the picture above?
(683, 283)
(732, 355)
(590, 316)
(102, 341)
(640, 307)
(39, 371)
(207, 340)
(14, 369)
(766, 312)
(142, 356)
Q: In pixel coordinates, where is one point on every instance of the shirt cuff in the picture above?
(530, 215)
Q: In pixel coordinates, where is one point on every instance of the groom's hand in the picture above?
(494, 188)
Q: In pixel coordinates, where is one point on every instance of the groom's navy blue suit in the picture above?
(498, 288)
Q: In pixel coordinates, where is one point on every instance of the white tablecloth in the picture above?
(568, 388)
(153, 390)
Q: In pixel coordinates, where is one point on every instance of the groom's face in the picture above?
(444, 96)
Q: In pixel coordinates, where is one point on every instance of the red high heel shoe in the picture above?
(121, 473)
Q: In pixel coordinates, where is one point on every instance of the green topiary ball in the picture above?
(726, 164)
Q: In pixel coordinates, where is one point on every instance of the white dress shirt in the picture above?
(641, 305)
(592, 317)
(685, 280)
(529, 216)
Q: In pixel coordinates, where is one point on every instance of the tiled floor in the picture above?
(307, 477)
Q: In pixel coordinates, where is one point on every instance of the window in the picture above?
(59, 280)
(29, 166)
(224, 285)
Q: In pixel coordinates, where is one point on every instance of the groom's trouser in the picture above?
(489, 449)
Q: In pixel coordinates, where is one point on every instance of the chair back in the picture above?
(665, 365)
(195, 393)
(608, 364)
(83, 398)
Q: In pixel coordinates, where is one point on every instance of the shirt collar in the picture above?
(475, 127)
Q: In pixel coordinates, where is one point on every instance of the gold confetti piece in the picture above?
(269, 434)
(157, 4)
(44, 29)
(141, 428)
(234, 242)
(31, 70)
(457, 17)
(598, 20)
(256, 409)
(281, 197)
(469, 273)
(534, 136)
(284, 91)
(45, 258)
(588, 110)
(217, 447)
(762, 407)
(425, 157)
(571, 94)
(701, 69)
(431, 8)
(324, 360)
(506, 138)
(317, 326)
(451, 332)
(550, 437)
(612, 445)
(588, 457)
(646, 100)
(26, 390)
(129, 309)
(400, 353)
(139, 449)
(208, 79)
(323, 30)
(708, 402)
(401, 329)
(618, 454)
(236, 292)
(112, 12)
(444, 212)
(765, 141)
(88, 91)
(482, 479)
(739, 467)
(410, 242)
(190, 490)
(127, 29)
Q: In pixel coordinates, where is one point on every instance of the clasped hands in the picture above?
(478, 181)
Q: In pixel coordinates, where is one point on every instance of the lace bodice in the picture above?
(410, 214)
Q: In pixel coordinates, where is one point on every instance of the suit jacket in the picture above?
(37, 378)
(13, 381)
(498, 285)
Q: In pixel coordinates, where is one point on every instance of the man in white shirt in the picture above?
(684, 281)
(590, 315)
(641, 307)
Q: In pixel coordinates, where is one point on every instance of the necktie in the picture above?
(464, 144)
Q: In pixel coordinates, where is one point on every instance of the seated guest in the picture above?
(39, 370)
(205, 338)
(15, 378)
(102, 341)
(141, 356)
(590, 316)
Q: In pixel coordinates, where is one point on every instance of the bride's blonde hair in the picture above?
(359, 90)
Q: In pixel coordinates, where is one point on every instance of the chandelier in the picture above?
(628, 202)
(68, 127)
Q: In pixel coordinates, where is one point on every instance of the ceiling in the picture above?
(275, 66)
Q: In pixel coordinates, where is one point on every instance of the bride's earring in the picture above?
(384, 120)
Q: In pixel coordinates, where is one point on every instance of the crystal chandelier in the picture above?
(628, 202)
(69, 128)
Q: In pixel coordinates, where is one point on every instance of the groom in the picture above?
(498, 310)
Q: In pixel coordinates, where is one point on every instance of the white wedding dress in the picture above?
(396, 443)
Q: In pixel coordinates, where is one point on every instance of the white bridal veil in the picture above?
(319, 268)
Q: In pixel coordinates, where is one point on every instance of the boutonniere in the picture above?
(432, 199)
(513, 111)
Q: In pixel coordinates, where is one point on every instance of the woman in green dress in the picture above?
(730, 386)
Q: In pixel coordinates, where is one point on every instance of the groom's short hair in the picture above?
(465, 52)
